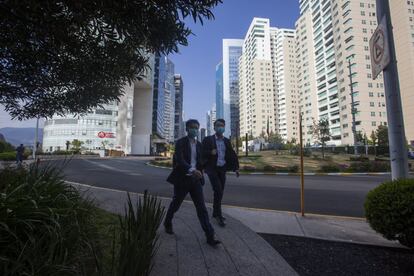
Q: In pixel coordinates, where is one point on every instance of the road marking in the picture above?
(111, 168)
(224, 205)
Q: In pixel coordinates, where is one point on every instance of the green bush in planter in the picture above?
(8, 156)
(389, 209)
(330, 168)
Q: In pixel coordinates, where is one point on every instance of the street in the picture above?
(329, 195)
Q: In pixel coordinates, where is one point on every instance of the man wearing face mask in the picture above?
(219, 157)
(187, 177)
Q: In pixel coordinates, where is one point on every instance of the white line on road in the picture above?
(111, 168)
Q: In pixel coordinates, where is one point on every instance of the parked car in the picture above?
(411, 154)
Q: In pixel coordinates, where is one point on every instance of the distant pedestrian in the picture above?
(219, 157)
(19, 154)
(187, 177)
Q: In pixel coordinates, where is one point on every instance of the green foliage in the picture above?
(369, 166)
(382, 136)
(45, 225)
(321, 133)
(8, 156)
(389, 209)
(138, 236)
(361, 158)
(6, 147)
(293, 169)
(48, 228)
(76, 145)
(330, 168)
(249, 168)
(70, 56)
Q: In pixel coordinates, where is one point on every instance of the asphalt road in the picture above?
(330, 195)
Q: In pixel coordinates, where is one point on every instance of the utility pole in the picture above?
(302, 174)
(353, 109)
(36, 138)
(396, 132)
(247, 145)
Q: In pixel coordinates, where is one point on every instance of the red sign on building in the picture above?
(102, 134)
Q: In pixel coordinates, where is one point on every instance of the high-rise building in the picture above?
(211, 117)
(402, 16)
(284, 83)
(202, 134)
(340, 36)
(256, 100)
(232, 50)
(208, 123)
(219, 90)
(169, 88)
(305, 74)
(179, 96)
(163, 103)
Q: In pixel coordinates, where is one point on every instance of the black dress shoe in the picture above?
(168, 229)
(223, 218)
(220, 221)
(213, 242)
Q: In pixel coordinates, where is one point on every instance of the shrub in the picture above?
(269, 168)
(372, 166)
(389, 209)
(359, 167)
(293, 169)
(45, 224)
(8, 156)
(138, 236)
(360, 158)
(329, 168)
(6, 147)
(249, 168)
(379, 166)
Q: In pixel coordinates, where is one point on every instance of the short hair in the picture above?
(190, 122)
(219, 121)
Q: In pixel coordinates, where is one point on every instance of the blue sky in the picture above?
(196, 62)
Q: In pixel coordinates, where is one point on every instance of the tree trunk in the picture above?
(323, 150)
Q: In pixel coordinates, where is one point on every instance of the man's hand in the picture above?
(237, 173)
(214, 152)
(197, 174)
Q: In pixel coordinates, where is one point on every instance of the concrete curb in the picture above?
(293, 174)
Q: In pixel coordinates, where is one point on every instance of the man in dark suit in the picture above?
(187, 177)
(219, 157)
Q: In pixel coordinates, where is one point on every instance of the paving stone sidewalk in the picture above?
(242, 252)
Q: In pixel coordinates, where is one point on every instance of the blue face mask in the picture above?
(192, 132)
(220, 130)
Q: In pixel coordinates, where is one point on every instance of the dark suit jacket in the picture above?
(182, 161)
(210, 161)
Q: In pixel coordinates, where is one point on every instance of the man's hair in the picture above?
(190, 122)
(219, 121)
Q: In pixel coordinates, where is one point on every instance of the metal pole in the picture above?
(35, 139)
(353, 109)
(396, 132)
(302, 177)
(247, 145)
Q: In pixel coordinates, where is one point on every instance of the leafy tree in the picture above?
(374, 139)
(76, 145)
(321, 133)
(382, 134)
(71, 56)
(359, 137)
(6, 147)
(275, 138)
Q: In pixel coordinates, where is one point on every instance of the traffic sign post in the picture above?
(384, 58)
(380, 51)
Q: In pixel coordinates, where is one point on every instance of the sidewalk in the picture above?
(242, 252)
(343, 229)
